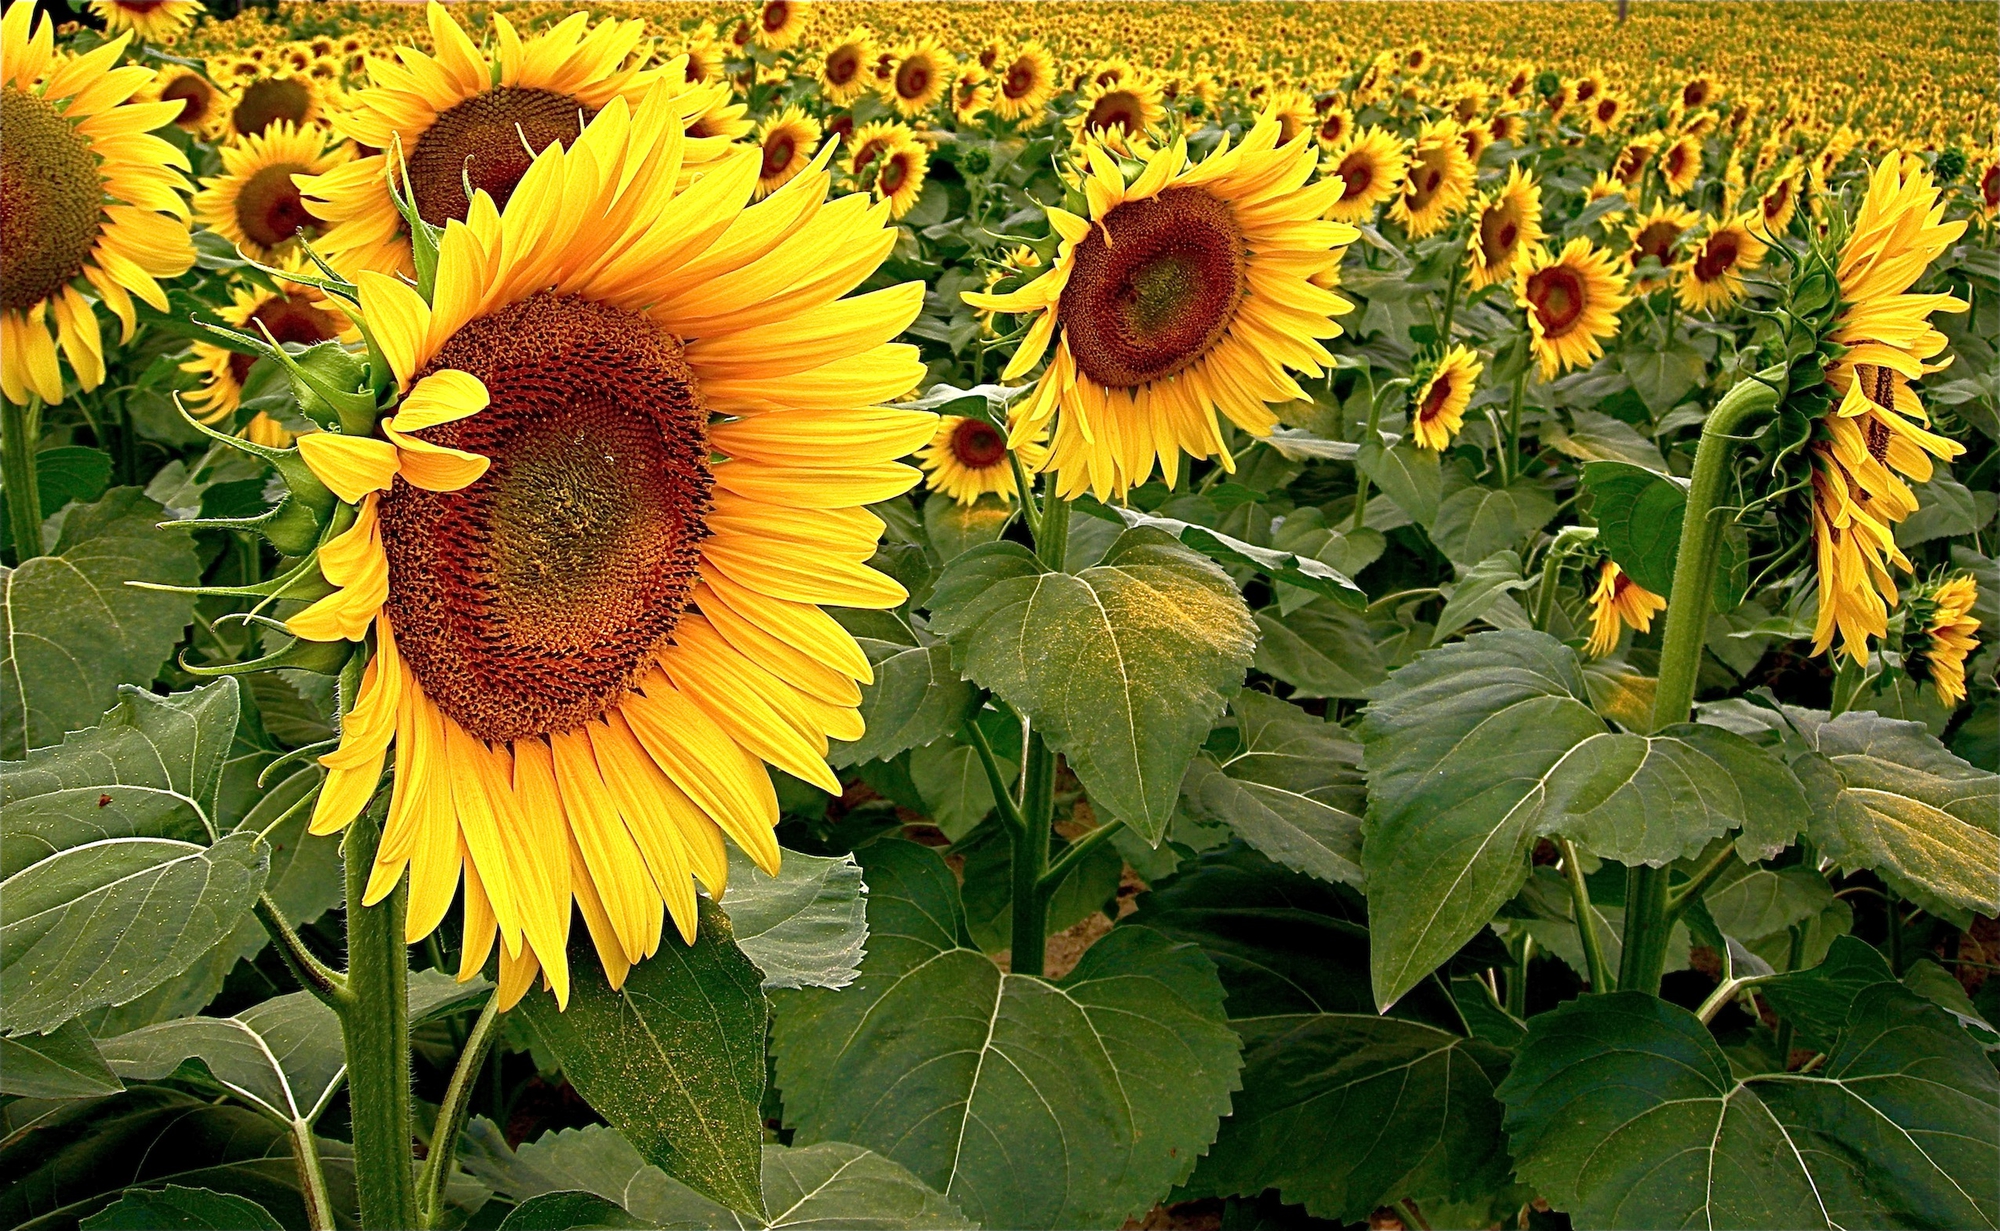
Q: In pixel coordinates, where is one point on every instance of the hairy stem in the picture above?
(375, 1026)
(20, 431)
(327, 985)
(1075, 853)
(312, 1177)
(451, 1115)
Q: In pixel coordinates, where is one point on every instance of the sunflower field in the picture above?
(1043, 615)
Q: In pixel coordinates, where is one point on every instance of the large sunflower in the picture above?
(967, 459)
(923, 72)
(1438, 183)
(256, 203)
(638, 433)
(1371, 167)
(89, 194)
(1188, 290)
(1710, 277)
(461, 114)
(1572, 300)
(1874, 438)
(1509, 224)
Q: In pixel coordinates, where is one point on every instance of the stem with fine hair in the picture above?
(452, 1113)
(20, 431)
(326, 984)
(375, 1026)
(1647, 922)
(312, 1176)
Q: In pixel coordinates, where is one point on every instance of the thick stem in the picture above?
(1513, 467)
(22, 431)
(327, 985)
(312, 1177)
(375, 1025)
(452, 1114)
(1003, 794)
(1031, 860)
(1586, 920)
(1646, 930)
(1052, 534)
(1545, 597)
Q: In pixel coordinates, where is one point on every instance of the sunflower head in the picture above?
(1126, 111)
(284, 96)
(1025, 82)
(1507, 224)
(1371, 166)
(844, 71)
(1442, 388)
(900, 171)
(781, 23)
(1572, 300)
(1656, 241)
(1709, 278)
(921, 73)
(786, 142)
(1680, 164)
(1940, 633)
(204, 107)
(1438, 182)
(1616, 604)
(152, 21)
(968, 458)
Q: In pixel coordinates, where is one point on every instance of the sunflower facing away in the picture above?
(1710, 276)
(1437, 411)
(1572, 299)
(967, 459)
(1438, 183)
(1872, 439)
(1508, 224)
(1945, 628)
(256, 203)
(1187, 291)
(1371, 167)
(85, 192)
(1618, 602)
(462, 114)
(638, 432)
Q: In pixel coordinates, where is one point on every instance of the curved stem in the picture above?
(1003, 795)
(1586, 920)
(457, 1104)
(375, 1026)
(327, 985)
(20, 431)
(1075, 853)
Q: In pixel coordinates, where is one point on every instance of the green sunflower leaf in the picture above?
(916, 698)
(1305, 572)
(174, 1208)
(1638, 514)
(62, 1064)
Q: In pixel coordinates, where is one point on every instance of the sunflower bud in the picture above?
(1950, 164)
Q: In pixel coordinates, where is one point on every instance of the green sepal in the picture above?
(298, 477)
(318, 657)
(330, 385)
(288, 526)
(424, 238)
(304, 583)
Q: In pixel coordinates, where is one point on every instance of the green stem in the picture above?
(1371, 433)
(327, 985)
(1647, 928)
(1545, 597)
(1052, 532)
(22, 431)
(1514, 422)
(312, 1177)
(1075, 853)
(438, 1164)
(375, 1026)
(1687, 895)
(1517, 982)
(1586, 920)
(1450, 305)
(1031, 858)
(1003, 794)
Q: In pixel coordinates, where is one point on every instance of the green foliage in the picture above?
(1638, 513)
(174, 1208)
(61, 1064)
(1285, 782)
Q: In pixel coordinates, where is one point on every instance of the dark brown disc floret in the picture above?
(491, 140)
(51, 200)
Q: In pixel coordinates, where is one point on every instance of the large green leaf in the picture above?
(1599, 437)
(803, 927)
(72, 630)
(675, 1059)
(1122, 667)
(954, 785)
(151, 768)
(1624, 1112)
(1474, 521)
(1345, 1113)
(1409, 476)
(1663, 377)
(61, 1064)
(570, 1211)
(1103, 1087)
(1304, 572)
(1817, 1001)
(1479, 592)
(1320, 649)
(916, 698)
(952, 527)
(174, 1208)
(1288, 785)
(108, 921)
(1638, 514)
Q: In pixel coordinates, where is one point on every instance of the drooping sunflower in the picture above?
(461, 114)
(638, 432)
(293, 313)
(1656, 233)
(967, 459)
(1617, 603)
(1124, 113)
(1438, 183)
(255, 203)
(782, 23)
(1680, 164)
(153, 21)
(1945, 635)
(923, 71)
(843, 73)
(1572, 300)
(1874, 437)
(1189, 290)
(89, 193)
(1710, 277)
(1508, 224)
(1371, 168)
(202, 103)
(900, 172)
(1026, 84)
(275, 96)
(786, 142)
(1437, 410)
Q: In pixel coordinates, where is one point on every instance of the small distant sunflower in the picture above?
(1711, 275)
(152, 21)
(1617, 603)
(1124, 111)
(203, 106)
(1698, 91)
(89, 193)
(967, 459)
(592, 545)
(1507, 224)
(1630, 165)
(1438, 183)
(1189, 290)
(295, 313)
(1601, 187)
(1587, 89)
(1294, 110)
(1507, 126)
(923, 71)
(899, 176)
(1945, 635)
(1026, 84)
(460, 113)
(1437, 410)
(781, 23)
(1334, 127)
(1657, 234)
(788, 141)
(1779, 202)
(1572, 300)
(869, 142)
(1606, 113)
(843, 74)
(285, 96)
(971, 95)
(1680, 164)
(255, 203)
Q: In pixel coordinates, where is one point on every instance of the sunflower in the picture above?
(971, 95)
(1506, 126)
(1606, 113)
(282, 97)
(1124, 113)
(1680, 164)
(460, 114)
(1187, 291)
(1026, 84)
(900, 172)
(1295, 112)
(295, 313)
(1371, 167)
(202, 103)
(781, 23)
(1586, 89)
(1437, 411)
(1334, 127)
(1711, 275)
(636, 439)
(1989, 188)
(89, 193)
(1946, 626)
(1779, 202)
(702, 60)
(153, 21)
(1630, 165)
(786, 141)
(1873, 437)
(1509, 223)
(1600, 188)
(254, 203)
(1617, 602)
(719, 124)
(868, 143)
(1697, 92)
(1656, 233)
(1438, 183)
(1572, 300)
(967, 459)
(923, 72)
(843, 74)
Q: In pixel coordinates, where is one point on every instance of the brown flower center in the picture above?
(978, 445)
(1426, 178)
(1876, 433)
(269, 99)
(1559, 297)
(533, 599)
(490, 139)
(1656, 240)
(913, 78)
(1118, 109)
(1161, 293)
(1435, 398)
(290, 318)
(1498, 230)
(51, 200)
(1357, 173)
(1718, 257)
(1020, 79)
(270, 208)
(778, 151)
(843, 65)
(196, 97)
